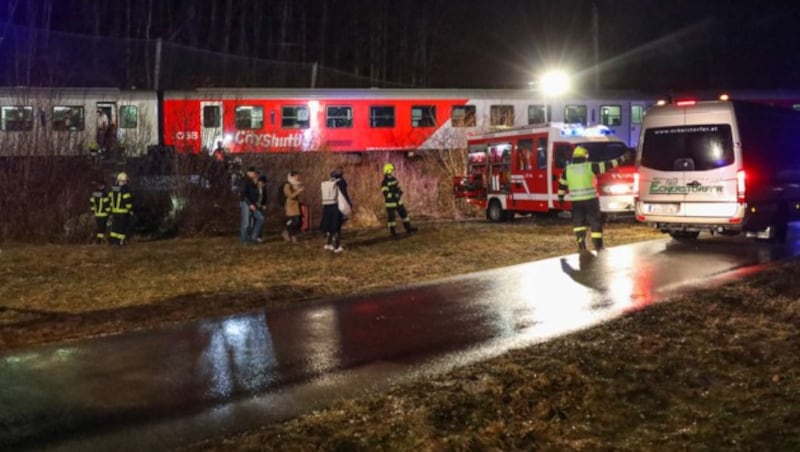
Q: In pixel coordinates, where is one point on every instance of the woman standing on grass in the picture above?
(332, 216)
(292, 190)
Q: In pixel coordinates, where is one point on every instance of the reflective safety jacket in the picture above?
(121, 199)
(100, 203)
(578, 178)
(391, 192)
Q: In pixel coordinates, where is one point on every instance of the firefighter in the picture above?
(392, 196)
(579, 179)
(100, 203)
(121, 210)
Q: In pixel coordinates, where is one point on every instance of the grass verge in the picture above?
(59, 292)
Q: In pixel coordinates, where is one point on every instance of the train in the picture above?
(67, 121)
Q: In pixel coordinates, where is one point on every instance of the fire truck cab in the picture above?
(517, 170)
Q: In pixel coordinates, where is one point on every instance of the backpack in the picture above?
(330, 192)
(282, 194)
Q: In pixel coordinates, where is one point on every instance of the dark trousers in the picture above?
(393, 212)
(101, 225)
(119, 228)
(293, 225)
(587, 213)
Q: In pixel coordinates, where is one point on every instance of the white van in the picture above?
(721, 167)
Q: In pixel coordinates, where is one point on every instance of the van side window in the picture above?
(541, 153)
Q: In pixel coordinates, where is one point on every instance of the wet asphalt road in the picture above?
(159, 389)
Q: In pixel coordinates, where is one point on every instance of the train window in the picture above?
(610, 115)
(68, 118)
(211, 117)
(248, 117)
(337, 117)
(381, 116)
(501, 115)
(295, 117)
(536, 114)
(541, 154)
(16, 118)
(563, 153)
(463, 116)
(575, 114)
(423, 116)
(637, 114)
(128, 117)
(525, 155)
(796, 107)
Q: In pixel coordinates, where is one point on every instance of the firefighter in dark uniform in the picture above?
(392, 196)
(100, 203)
(121, 210)
(579, 179)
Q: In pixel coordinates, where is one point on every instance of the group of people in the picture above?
(115, 205)
(337, 206)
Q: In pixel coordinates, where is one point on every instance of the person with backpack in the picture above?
(336, 207)
(290, 197)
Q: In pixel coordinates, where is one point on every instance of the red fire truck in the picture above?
(517, 170)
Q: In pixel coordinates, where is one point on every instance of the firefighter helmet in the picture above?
(122, 177)
(388, 168)
(580, 152)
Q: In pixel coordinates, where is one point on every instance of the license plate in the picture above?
(662, 208)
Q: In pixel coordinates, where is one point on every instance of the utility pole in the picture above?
(596, 45)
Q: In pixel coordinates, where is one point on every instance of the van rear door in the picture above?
(691, 170)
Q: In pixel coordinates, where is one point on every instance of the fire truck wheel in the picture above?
(495, 212)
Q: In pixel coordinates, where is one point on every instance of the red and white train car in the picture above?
(357, 120)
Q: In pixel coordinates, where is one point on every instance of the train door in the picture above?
(106, 125)
(637, 116)
(211, 129)
(562, 153)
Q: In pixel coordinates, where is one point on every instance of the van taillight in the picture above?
(741, 186)
(686, 102)
(636, 186)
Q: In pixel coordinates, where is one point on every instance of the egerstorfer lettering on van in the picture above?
(659, 187)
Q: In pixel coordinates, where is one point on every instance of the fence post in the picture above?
(157, 72)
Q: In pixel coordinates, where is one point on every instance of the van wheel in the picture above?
(684, 236)
(495, 212)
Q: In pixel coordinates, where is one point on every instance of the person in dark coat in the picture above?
(248, 205)
(332, 217)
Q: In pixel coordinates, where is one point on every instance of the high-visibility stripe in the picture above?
(116, 235)
(579, 229)
(597, 235)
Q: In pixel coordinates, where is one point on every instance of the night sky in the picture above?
(643, 44)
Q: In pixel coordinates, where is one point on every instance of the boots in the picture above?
(598, 244)
(393, 231)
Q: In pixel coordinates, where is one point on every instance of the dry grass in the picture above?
(718, 370)
(58, 292)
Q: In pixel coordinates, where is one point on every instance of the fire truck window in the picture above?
(249, 117)
(423, 116)
(563, 152)
(295, 117)
(68, 118)
(575, 114)
(501, 115)
(525, 155)
(541, 153)
(381, 116)
(16, 119)
(337, 117)
(610, 115)
(462, 116)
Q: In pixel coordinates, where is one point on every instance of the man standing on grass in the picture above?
(392, 196)
(121, 210)
(248, 206)
(579, 179)
(100, 203)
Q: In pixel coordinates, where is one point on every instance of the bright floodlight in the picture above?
(554, 83)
